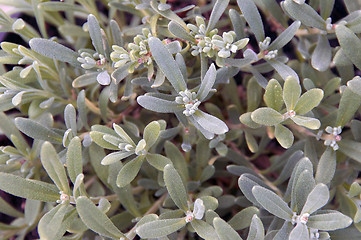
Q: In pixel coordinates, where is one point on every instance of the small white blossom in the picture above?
(63, 198)
(289, 114)
(198, 211)
(333, 137)
(300, 218)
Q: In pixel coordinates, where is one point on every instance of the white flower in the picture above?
(198, 211)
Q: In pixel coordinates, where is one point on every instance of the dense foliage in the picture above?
(148, 119)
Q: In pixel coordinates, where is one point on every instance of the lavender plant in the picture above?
(156, 119)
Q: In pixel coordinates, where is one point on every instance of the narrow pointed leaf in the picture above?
(95, 34)
(55, 169)
(207, 83)
(317, 198)
(256, 230)
(160, 228)
(347, 38)
(158, 161)
(129, 171)
(74, 159)
(151, 133)
(204, 230)
(95, 219)
(216, 14)
(329, 221)
(27, 188)
(167, 64)
(253, 18)
(175, 187)
(304, 13)
(115, 157)
(224, 230)
(54, 50)
(210, 123)
(158, 105)
(36, 130)
(300, 232)
(272, 203)
(326, 167)
(321, 56)
(285, 36)
(179, 31)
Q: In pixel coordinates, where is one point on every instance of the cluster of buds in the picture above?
(263, 46)
(189, 100)
(90, 60)
(138, 52)
(212, 44)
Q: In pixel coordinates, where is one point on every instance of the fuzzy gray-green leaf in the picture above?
(74, 159)
(224, 230)
(54, 50)
(95, 219)
(308, 101)
(27, 188)
(95, 34)
(129, 171)
(272, 203)
(250, 12)
(273, 95)
(304, 13)
(326, 167)
(291, 92)
(167, 64)
(36, 130)
(175, 187)
(160, 228)
(321, 56)
(350, 44)
(284, 136)
(216, 14)
(329, 221)
(317, 198)
(267, 116)
(348, 105)
(285, 36)
(53, 166)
